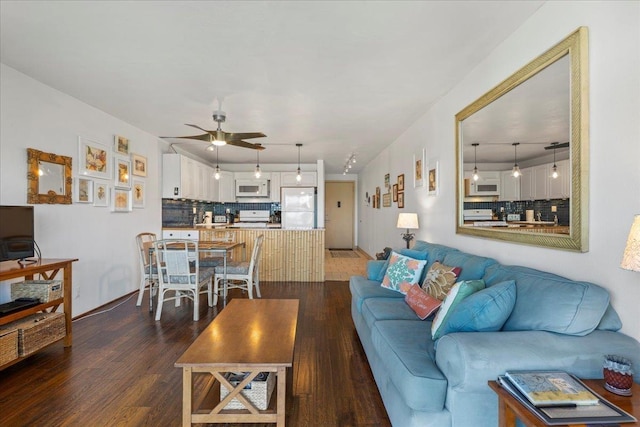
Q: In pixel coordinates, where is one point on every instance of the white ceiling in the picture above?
(338, 77)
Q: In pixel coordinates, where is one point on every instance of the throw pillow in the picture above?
(421, 302)
(457, 294)
(439, 279)
(484, 311)
(402, 272)
(419, 255)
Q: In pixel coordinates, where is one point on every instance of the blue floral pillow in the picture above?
(402, 273)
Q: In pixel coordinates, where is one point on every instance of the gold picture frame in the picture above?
(48, 178)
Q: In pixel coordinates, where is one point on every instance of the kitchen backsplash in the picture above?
(519, 207)
(179, 213)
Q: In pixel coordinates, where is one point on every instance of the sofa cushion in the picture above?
(483, 311)
(472, 266)
(374, 309)
(421, 302)
(434, 251)
(439, 279)
(362, 288)
(548, 302)
(610, 320)
(403, 272)
(406, 350)
(456, 295)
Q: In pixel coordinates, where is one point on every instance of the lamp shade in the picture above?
(408, 220)
(631, 257)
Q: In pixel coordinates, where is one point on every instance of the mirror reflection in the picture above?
(520, 151)
(49, 177)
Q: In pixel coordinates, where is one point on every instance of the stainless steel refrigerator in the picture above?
(298, 206)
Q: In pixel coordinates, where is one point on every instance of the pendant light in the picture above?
(258, 171)
(515, 172)
(299, 173)
(554, 169)
(217, 173)
(475, 161)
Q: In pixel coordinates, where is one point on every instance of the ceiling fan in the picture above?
(219, 137)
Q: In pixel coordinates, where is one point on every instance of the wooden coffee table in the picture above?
(247, 336)
(509, 409)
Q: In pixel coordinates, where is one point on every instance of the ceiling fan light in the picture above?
(219, 143)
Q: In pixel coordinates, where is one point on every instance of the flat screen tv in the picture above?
(16, 232)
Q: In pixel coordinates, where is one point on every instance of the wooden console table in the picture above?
(48, 268)
(509, 409)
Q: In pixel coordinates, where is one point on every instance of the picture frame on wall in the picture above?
(395, 192)
(100, 194)
(83, 190)
(401, 200)
(418, 169)
(387, 181)
(138, 194)
(122, 168)
(121, 145)
(93, 159)
(121, 200)
(386, 200)
(401, 182)
(139, 164)
(433, 178)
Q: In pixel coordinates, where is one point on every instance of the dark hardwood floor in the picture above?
(120, 370)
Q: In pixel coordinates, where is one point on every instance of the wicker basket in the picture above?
(8, 345)
(256, 392)
(39, 330)
(46, 290)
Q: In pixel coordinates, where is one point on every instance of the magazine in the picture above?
(549, 388)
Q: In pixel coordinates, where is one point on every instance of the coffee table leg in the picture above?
(187, 391)
(282, 396)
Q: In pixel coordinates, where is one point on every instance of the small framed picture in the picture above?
(401, 200)
(387, 182)
(100, 194)
(93, 159)
(395, 192)
(138, 194)
(139, 165)
(121, 145)
(418, 169)
(401, 182)
(386, 200)
(84, 190)
(122, 167)
(433, 178)
(120, 200)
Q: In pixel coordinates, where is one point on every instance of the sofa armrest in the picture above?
(376, 269)
(470, 359)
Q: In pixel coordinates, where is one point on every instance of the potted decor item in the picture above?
(618, 375)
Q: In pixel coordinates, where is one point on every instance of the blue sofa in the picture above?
(556, 323)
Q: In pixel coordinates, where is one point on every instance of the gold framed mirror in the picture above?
(49, 178)
(536, 123)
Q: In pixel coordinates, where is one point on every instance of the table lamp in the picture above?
(631, 257)
(408, 220)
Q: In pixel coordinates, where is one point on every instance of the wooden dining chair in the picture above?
(179, 270)
(240, 274)
(148, 270)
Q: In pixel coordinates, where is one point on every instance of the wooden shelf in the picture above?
(31, 310)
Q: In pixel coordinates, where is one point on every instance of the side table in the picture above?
(509, 409)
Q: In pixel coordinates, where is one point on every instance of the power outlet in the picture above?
(554, 208)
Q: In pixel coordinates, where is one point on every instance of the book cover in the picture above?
(551, 388)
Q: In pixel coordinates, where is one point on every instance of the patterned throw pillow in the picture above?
(439, 279)
(421, 302)
(402, 272)
(458, 292)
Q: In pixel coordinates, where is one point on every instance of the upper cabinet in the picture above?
(288, 179)
(509, 187)
(274, 191)
(560, 187)
(225, 186)
(177, 177)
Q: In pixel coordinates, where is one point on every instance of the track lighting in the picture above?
(515, 172)
(475, 161)
(299, 173)
(349, 163)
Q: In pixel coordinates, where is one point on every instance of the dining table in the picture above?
(209, 247)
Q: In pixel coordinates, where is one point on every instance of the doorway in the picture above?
(339, 214)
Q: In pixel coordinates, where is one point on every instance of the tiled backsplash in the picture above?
(179, 213)
(519, 207)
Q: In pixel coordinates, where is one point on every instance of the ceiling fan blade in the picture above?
(205, 137)
(211, 132)
(230, 136)
(245, 144)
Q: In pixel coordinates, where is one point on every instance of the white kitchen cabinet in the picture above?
(225, 187)
(540, 182)
(509, 187)
(274, 191)
(526, 184)
(178, 177)
(181, 234)
(560, 187)
(288, 179)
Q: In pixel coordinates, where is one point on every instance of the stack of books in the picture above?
(558, 398)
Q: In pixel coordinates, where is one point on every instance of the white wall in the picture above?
(614, 62)
(33, 115)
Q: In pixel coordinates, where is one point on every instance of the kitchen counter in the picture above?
(527, 226)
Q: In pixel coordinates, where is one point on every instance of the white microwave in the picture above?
(484, 187)
(252, 188)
